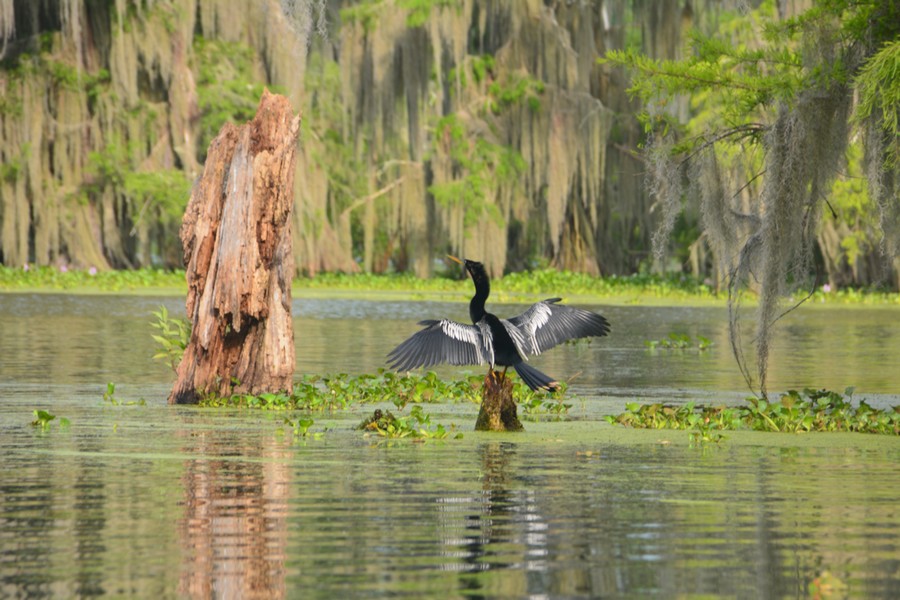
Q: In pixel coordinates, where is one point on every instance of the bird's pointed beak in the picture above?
(454, 259)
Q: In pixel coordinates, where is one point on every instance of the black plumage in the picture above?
(496, 341)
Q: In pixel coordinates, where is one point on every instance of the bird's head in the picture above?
(475, 268)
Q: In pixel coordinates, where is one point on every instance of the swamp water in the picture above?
(159, 501)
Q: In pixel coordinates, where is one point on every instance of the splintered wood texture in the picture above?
(238, 256)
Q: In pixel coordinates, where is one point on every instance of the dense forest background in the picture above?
(483, 128)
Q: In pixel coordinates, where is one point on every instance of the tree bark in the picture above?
(498, 409)
(238, 255)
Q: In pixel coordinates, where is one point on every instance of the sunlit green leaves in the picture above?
(31, 277)
(417, 426)
(367, 12)
(879, 99)
(478, 166)
(228, 86)
(173, 337)
(795, 412)
(43, 420)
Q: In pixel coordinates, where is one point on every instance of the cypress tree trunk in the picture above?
(498, 409)
(239, 260)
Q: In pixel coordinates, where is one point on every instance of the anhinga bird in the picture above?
(496, 341)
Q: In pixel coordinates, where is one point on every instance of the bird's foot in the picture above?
(493, 380)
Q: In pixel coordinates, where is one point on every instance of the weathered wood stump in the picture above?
(239, 260)
(498, 409)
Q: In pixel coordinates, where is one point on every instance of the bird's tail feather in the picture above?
(535, 379)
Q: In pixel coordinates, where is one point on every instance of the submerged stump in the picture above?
(498, 409)
(238, 256)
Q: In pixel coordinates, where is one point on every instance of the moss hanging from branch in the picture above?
(777, 112)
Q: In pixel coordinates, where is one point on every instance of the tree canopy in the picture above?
(785, 111)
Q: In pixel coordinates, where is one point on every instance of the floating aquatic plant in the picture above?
(795, 412)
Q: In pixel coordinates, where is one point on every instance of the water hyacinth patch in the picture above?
(794, 412)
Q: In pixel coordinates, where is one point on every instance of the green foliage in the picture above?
(109, 396)
(30, 277)
(367, 12)
(734, 83)
(680, 341)
(345, 160)
(538, 406)
(228, 87)
(482, 67)
(174, 335)
(159, 196)
(417, 426)
(301, 428)
(420, 10)
(757, 63)
(480, 165)
(522, 286)
(512, 89)
(545, 281)
(338, 392)
(771, 101)
(879, 96)
(43, 418)
(795, 412)
(165, 191)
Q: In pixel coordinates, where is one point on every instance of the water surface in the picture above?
(159, 501)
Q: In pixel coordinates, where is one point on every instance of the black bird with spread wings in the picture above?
(496, 341)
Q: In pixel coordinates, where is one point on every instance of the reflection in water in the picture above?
(165, 502)
(158, 501)
(84, 339)
(234, 529)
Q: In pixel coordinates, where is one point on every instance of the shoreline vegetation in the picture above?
(640, 288)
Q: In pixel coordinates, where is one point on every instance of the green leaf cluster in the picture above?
(513, 89)
(43, 419)
(795, 412)
(479, 164)
(367, 12)
(536, 406)
(879, 96)
(30, 277)
(174, 335)
(162, 193)
(228, 88)
(757, 63)
(417, 426)
(320, 393)
(733, 78)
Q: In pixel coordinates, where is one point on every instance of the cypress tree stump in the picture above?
(498, 409)
(238, 255)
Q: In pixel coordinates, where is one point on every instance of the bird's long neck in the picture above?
(476, 306)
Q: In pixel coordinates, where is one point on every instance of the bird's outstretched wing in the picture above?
(443, 341)
(546, 324)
